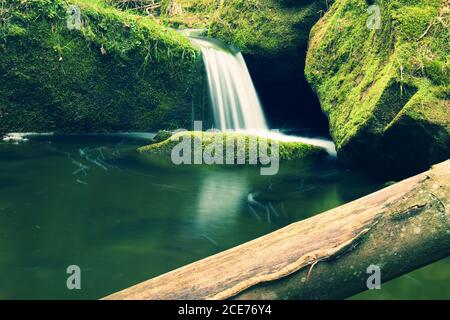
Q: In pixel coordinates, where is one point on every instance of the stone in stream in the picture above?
(288, 150)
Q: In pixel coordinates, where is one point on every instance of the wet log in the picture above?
(399, 229)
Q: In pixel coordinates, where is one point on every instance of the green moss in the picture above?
(287, 150)
(161, 136)
(412, 21)
(118, 72)
(437, 71)
(265, 26)
(15, 30)
(371, 83)
(257, 27)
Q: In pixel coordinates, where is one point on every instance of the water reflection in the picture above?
(219, 198)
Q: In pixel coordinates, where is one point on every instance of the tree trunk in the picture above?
(398, 229)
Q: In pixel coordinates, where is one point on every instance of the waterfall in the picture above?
(235, 103)
(234, 99)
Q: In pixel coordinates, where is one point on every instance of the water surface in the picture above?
(91, 201)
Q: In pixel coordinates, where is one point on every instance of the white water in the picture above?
(235, 103)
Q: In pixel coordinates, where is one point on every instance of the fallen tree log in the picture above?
(398, 229)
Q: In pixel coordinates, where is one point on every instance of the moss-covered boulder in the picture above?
(237, 141)
(385, 91)
(112, 71)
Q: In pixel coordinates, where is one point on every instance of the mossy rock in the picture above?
(287, 150)
(162, 135)
(116, 72)
(385, 91)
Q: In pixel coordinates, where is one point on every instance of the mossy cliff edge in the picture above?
(385, 91)
(257, 27)
(118, 71)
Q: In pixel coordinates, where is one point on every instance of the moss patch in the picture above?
(287, 150)
(385, 91)
(118, 71)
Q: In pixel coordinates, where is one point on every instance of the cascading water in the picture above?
(235, 103)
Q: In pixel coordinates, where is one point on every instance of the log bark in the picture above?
(400, 228)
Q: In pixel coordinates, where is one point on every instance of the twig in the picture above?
(148, 6)
(308, 276)
(433, 23)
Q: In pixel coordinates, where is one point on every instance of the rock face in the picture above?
(111, 71)
(385, 91)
